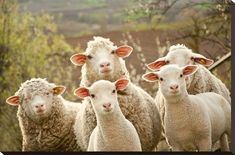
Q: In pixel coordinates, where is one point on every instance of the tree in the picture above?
(30, 46)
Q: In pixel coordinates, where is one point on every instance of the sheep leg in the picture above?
(177, 148)
(224, 143)
(205, 145)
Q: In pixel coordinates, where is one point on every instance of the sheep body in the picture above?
(136, 105)
(191, 122)
(113, 131)
(132, 102)
(202, 81)
(52, 133)
(197, 122)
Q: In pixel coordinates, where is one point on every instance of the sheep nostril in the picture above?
(108, 64)
(107, 105)
(42, 105)
(174, 87)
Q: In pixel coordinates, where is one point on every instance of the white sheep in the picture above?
(202, 81)
(113, 131)
(192, 122)
(103, 60)
(45, 120)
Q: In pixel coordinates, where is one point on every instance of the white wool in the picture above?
(202, 81)
(136, 105)
(54, 131)
(113, 131)
(193, 122)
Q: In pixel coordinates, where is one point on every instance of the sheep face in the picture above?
(171, 79)
(181, 56)
(36, 98)
(103, 94)
(102, 57)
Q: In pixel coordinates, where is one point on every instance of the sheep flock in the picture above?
(190, 112)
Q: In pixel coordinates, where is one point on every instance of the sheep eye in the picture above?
(161, 79)
(113, 91)
(167, 61)
(192, 58)
(89, 57)
(92, 95)
(113, 51)
(181, 75)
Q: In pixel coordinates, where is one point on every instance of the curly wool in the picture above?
(137, 106)
(202, 81)
(89, 76)
(54, 133)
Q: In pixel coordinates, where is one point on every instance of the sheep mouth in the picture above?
(174, 92)
(40, 112)
(108, 110)
(105, 71)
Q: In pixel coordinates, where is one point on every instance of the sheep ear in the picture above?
(121, 84)
(78, 59)
(58, 90)
(124, 51)
(13, 100)
(150, 77)
(156, 65)
(82, 92)
(200, 59)
(190, 69)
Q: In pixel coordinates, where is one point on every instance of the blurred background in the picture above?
(37, 38)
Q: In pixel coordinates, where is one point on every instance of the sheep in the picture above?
(45, 120)
(104, 61)
(202, 81)
(192, 122)
(113, 131)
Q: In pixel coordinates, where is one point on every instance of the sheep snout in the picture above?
(40, 108)
(174, 87)
(107, 106)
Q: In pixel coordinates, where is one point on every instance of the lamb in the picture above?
(113, 131)
(202, 81)
(192, 122)
(104, 61)
(45, 120)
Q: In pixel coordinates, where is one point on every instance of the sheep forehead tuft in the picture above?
(179, 47)
(100, 42)
(169, 69)
(35, 85)
(102, 85)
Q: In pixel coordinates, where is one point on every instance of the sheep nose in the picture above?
(106, 64)
(174, 87)
(39, 106)
(107, 105)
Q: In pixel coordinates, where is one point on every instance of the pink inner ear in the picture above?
(204, 61)
(59, 90)
(189, 69)
(124, 51)
(13, 100)
(151, 76)
(156, 65)
(82, 92)
(78, 59)
(121, 84)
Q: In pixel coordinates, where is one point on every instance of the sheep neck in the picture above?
(178, 108)
(107, 123)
